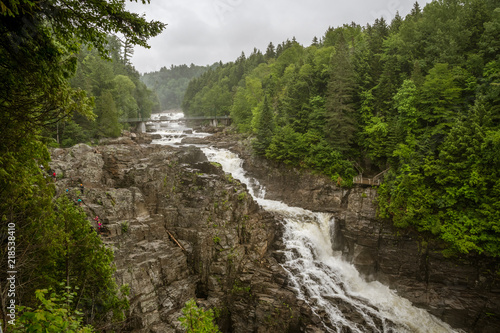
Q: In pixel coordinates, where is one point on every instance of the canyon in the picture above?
(182, 228)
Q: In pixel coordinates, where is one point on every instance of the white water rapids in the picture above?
(332, 287)
(171, 129)
(322, 278)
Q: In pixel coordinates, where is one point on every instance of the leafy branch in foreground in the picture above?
(53, 315)
(197, 320)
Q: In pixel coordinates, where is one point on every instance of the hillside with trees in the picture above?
(116, 91)
(63, 272)
(170, 84)
(418, 96)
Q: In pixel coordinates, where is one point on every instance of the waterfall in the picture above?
(332, 287)
(170, 128)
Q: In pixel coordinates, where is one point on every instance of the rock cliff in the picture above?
(181, 228)
(464, 292)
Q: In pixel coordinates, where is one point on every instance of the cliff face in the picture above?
(181, 228)
(464, 292)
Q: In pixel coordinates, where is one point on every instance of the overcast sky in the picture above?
(206, 31)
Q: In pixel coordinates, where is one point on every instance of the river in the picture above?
(332, 287)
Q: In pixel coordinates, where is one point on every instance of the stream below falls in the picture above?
(333, 288)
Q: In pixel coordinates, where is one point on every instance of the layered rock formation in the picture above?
(181, 228)
(464, 292)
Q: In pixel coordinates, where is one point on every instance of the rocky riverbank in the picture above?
(181, 228)
(463, 291)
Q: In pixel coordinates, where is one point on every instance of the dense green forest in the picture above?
(116, 90)
(418, 96)
(170, 84)
(55, 265)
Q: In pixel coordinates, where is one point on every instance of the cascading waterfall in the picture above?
(332, 287)
(171, 129)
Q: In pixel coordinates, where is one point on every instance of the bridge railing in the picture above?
(205, 118)
(375, 180)
(132, 120)
(359, 179)
(138, 120)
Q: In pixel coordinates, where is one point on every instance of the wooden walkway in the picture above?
(374, 181)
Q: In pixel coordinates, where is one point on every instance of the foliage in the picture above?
(170, 84)
(419, 95)
(39, 42)
(37, 49)
(118, 94)
(80, 257)
(197, 320)
(53, 315)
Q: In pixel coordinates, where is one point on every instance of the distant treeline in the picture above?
(117, 91)
(170, 84)
(419, 95)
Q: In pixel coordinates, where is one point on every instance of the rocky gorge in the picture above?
(462, 291)
(181, 228)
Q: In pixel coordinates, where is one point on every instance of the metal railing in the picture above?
(139, 120)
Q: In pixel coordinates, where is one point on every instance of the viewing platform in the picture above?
(374, 181)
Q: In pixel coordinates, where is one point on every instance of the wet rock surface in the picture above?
(181, 228)
(153, 197)
(464, 292)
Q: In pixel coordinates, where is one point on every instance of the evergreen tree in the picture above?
(340, 117)
(264, 128)
(128, 52)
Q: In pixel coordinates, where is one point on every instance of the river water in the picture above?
(332, 287)
(171, 128)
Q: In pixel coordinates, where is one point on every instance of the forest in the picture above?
(170, 84)
(116, 91)
(417, 97)
(59, 84)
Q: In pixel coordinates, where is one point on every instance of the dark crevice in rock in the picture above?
(344, 203)
(201, 292)
(144, 192)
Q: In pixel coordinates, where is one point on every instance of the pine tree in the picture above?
(128, 52)
(340, 115)
(264, 128)
(270, 52)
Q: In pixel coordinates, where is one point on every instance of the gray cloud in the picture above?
(206, 31)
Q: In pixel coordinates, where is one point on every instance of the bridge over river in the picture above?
(214, 121)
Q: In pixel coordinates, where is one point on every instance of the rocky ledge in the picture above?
(462, 291)
(181, 228)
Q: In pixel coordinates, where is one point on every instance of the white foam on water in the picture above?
(171, 129)
(322, 278)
